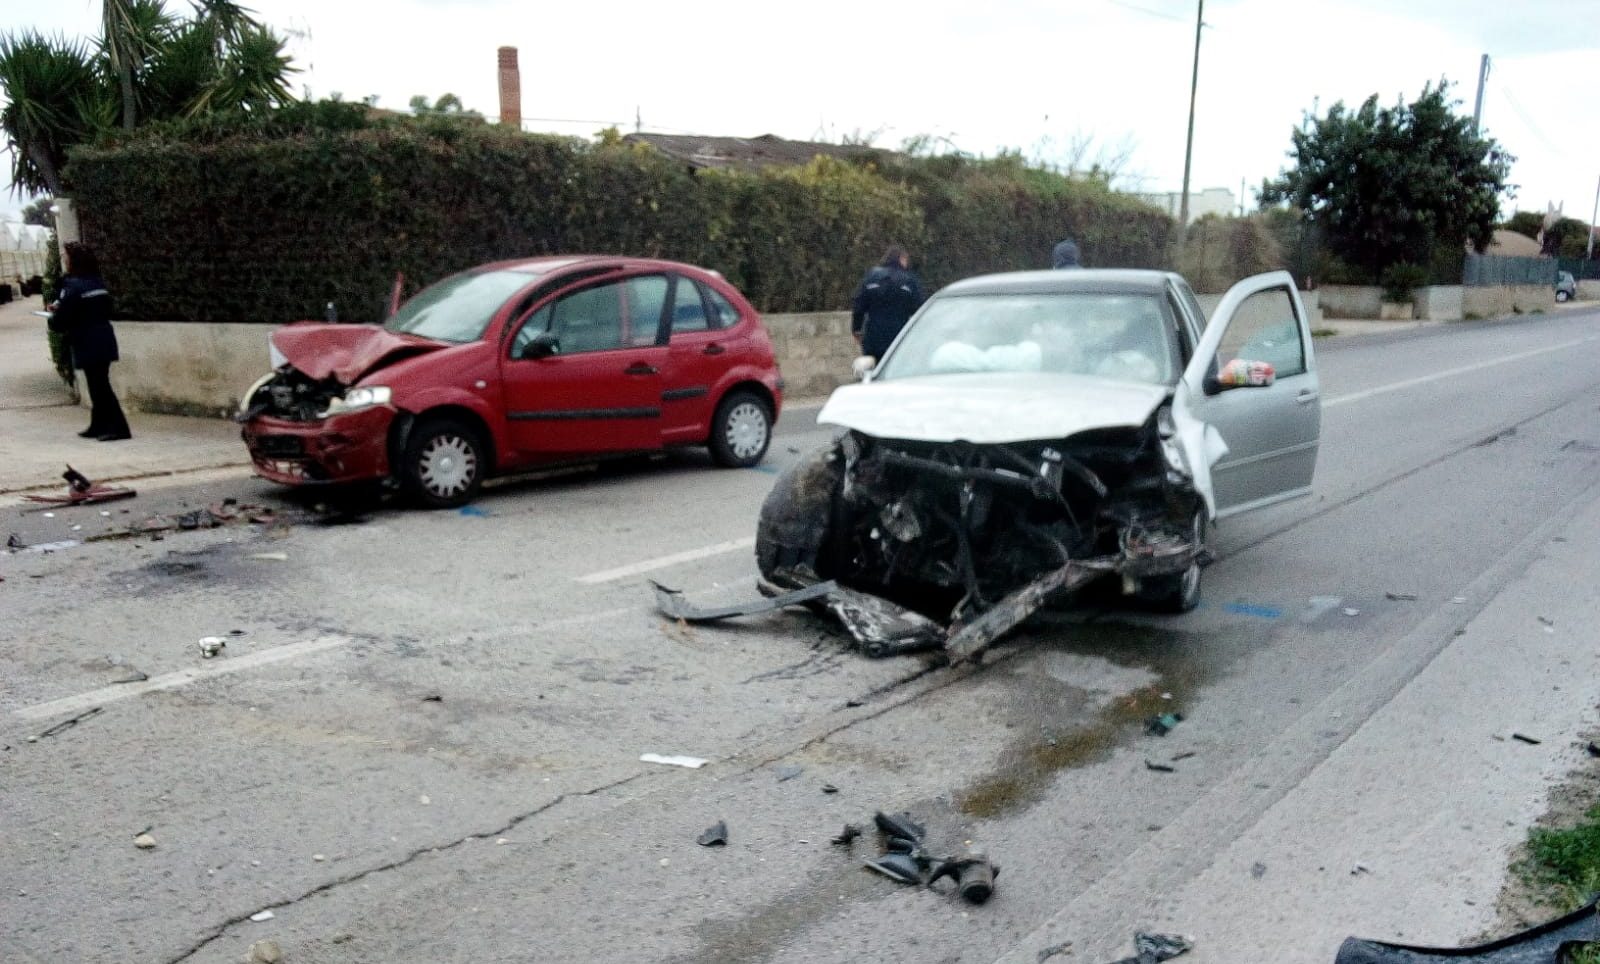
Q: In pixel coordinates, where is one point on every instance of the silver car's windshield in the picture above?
(458, 308)
(1123, 336)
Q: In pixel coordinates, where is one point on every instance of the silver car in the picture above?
(1566, 286)
(1029, 433)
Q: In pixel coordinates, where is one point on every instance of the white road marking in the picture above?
(1452, 372)
(68, 705)
(183, 677)
(662, 562)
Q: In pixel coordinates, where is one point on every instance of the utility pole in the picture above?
(1188, 147)
(1588, 251)
(1483, 78)
(1241, 197)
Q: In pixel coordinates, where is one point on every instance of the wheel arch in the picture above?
(406, 422)
(754, 387)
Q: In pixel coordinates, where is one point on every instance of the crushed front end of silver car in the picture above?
(952, 544)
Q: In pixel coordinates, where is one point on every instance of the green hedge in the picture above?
(266, 219)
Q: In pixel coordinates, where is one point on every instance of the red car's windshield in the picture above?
(458, 308)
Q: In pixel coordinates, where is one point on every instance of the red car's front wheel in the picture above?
(443, 464)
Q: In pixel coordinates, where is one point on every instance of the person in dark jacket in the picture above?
(887, 298)
(1065, 255)
(82, 312)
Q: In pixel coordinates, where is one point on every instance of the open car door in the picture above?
(1271, 431)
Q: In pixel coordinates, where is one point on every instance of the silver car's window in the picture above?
(1265, 329)
(458, 308)
(1126, 337)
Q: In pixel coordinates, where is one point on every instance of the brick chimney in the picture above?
(510, 88)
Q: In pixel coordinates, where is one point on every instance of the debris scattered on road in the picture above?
(692, 762)
(1186, 754)
(264, 915)
(1547, 620)
(435, 698)
(1594, 749)
(14, 541)
(898, 867)
(1400, 596)
(675, 605)
(789, 771)
(847, 836)
(144, 842)
(1159, 767)
(265, 952)
(974, 875)
(68, 724)
(269, 556)
(425, 800)
(1547, 943)
(238, 633)
(1153, 948)
(80, 491)
(211, 646)
(1524, 738)
(1359, 869)
(830, 788)
(1048, 952)
(715, 835)
(1258, 870)
(1162, 724)
(1351, 611)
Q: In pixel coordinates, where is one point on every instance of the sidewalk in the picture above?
(39, 425)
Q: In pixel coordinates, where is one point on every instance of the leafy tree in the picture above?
(39, 213)
(147, 65)
(447, 105)
(1526, 223)
(1407, 184)
(1567, 238)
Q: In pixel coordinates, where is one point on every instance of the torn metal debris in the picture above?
(715, 835)
(1153, 948)
(80, 491)
(1548, 943)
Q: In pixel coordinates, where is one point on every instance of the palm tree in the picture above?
(153, 65)
(54, 100)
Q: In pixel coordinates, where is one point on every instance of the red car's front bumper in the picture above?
(344, 448)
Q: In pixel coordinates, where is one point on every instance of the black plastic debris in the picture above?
(830, 788)
(1547, 943)
(715, 835)
(847, 836)
(435, 698)
(1400, 596)
(899, 825)
(901, 868)
(1152, 948)
(1159, 767)
(789, 771)
(1594, 750)
(1163, 724)
(974, 875)
(1186, 754)
(68, 724)
(1524, 738)
(14, 541)
(674, 604)
(1258, 870)
(1046, 953)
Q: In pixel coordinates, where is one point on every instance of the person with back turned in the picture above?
(82, 313)
(889, 295)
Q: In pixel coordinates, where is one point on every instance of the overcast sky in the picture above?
(1023, 74)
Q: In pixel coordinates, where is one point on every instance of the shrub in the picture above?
(1217, 252)
(1400, 280)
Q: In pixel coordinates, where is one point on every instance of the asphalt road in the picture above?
(426, 746)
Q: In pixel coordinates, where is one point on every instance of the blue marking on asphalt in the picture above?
(474, 512)
(1247, 609)
(769, 469)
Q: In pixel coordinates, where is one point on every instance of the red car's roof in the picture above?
(557, 262)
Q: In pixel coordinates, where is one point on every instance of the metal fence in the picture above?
(1581, 268)
(1489, 269)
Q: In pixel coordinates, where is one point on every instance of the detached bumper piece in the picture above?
(1545, 944)
(883, 628)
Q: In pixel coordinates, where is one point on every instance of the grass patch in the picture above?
(1324, 332)
(1563, 866)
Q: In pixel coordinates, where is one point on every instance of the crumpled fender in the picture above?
(344, 352)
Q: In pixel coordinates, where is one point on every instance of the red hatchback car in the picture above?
(517, 365)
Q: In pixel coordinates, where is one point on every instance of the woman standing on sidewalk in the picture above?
(82, 312)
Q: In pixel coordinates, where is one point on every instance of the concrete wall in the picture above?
(187, 369)
(1440, 302)
(1351, 301)
(1494, 301)
(1589, 291)
(199, 369)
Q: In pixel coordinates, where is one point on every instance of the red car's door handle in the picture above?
(713, 349)
(639, 368)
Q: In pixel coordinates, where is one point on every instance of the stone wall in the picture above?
(814, 351)
(1494, 301)
(1351, 301)
(1589, 290)
(1440, 302)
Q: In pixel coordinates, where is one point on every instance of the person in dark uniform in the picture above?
(887, 298)
(82, 313)
(1065, 255)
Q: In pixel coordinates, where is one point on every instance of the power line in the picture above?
(1516, 107)
(1148, 11)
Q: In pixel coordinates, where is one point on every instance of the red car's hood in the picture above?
(346, 352)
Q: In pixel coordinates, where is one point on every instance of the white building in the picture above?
(1213, 200)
